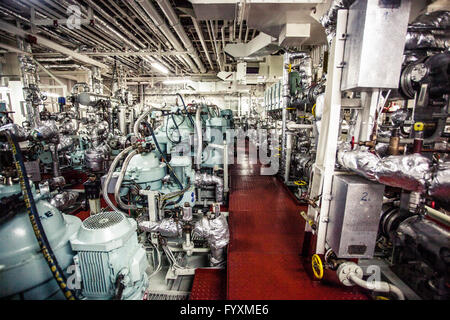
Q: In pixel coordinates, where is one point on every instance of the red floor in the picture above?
(267, 230)
(209, 284)
(266, 238)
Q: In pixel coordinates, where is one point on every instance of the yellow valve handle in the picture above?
(317, 266)
(418, 126)
(381, 298)
(300, 183)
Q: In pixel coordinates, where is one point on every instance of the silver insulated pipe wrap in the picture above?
(216, 232)
(409, 172)
(440, 184)
(166, 227)
(204, 179)
(426, 31)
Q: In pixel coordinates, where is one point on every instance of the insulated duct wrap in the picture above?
(216, 232)
(409, 172)
(204, 179)
(166, 227)
(64, 199)
(329, 19)
(440, 184)
(429, 31)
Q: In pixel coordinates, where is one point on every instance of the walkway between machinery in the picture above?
(267, 230)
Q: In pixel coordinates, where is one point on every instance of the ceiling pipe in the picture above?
(151, 11)
(50, 44)
(119, 26)
(219, 60)
(95, 36)
(202, 41)
(137, 10)
(174, 21)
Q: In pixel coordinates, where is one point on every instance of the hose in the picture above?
(378, 286)
(109, 176)
(185, 109)
(162, 155)
(176, 126)
(35, 220)
(139, 120)
(119, 183)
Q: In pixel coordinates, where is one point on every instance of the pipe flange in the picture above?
(345, 270)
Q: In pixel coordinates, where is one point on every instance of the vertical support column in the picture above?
(288, 157)
(369, 102)
(225, 167)
(326, 149)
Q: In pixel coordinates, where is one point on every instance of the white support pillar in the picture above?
(326, 150)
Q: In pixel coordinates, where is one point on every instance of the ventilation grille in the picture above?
(95, 273)
(103, 220)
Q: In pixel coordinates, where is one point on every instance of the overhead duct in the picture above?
(261, 45)
(174, 21)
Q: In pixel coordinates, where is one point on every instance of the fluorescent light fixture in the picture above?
(4, 89)
(160, 67)
(51, 94)
(176, 81)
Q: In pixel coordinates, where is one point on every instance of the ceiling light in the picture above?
(51, 94)
(160, 67)
(176, 81)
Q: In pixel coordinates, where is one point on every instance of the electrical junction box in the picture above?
(354, 216)
(375, 40)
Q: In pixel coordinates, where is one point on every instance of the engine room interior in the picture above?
(224, 150)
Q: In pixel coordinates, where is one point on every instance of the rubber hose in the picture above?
(35, 220)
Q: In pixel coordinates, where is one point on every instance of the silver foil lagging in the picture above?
(204, 179)
(409, 172)
(216, 232)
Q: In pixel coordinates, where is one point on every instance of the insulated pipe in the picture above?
(119, 182)
(204, 179)
(198, 128)
(298, 126)
(214, 41)
(378, 286)
(151, 11)
(174, 21)
(202, 41)
(110, 19)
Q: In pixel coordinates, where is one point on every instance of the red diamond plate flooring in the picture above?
(209, 284)
(267, 230)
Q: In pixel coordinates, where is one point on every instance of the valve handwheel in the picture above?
(317, 266)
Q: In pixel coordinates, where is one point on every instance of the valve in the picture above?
(317, 266)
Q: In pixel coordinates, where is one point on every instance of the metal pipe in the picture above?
(119, 182)
(442, 217)
(379, 286)
(109, 176)
(151, 11)
(219, 61)
(174, 21)
(50, 44)
(198, 128)
(202, 40)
